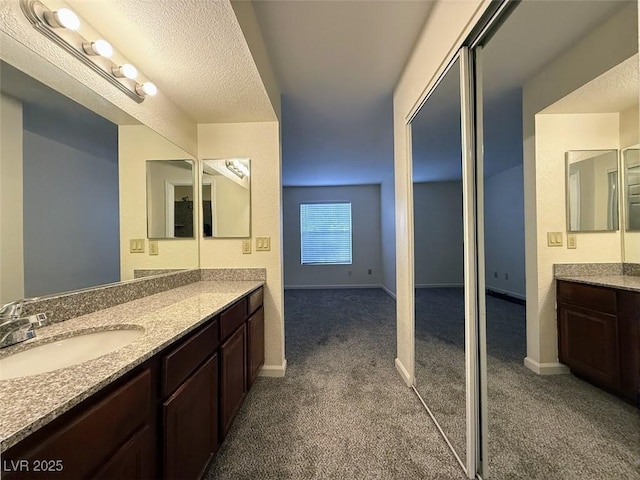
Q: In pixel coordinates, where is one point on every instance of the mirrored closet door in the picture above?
(444, 261)
(544, 75)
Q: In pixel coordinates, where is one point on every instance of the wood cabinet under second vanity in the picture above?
(165, 418)
(598, 336)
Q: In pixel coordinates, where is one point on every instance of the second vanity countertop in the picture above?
(623, 282)
(29, 403)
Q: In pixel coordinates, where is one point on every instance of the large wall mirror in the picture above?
(592, 190)
(73, 190)
(226, 198)
(170, 198)
(631, 167)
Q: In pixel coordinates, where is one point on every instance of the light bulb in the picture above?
(127, 70)
(149, 89)
(63, 18)
(99, 47)
(103, 48)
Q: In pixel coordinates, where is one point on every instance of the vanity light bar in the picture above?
(237, 167)
(62, 26)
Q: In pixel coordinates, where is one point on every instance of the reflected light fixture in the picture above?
(62, 27)
(237, 167)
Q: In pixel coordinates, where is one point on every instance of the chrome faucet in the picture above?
(13, 327)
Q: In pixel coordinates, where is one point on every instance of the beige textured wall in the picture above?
(11, 237)
(445, 29)
(261, 143)
(136, 145)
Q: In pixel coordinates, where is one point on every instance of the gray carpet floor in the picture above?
(540, 427)
(341, 411)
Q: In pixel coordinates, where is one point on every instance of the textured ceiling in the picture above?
(193, 50)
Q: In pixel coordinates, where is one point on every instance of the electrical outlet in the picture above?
(153, 247)
(136, 245)
(572, 241)
(246, 246)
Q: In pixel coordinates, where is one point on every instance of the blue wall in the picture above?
(71, 214)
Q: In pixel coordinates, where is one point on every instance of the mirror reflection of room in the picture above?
(226, 198)
(170, 198)
(438, 259)
(551, 125)
(592, 190)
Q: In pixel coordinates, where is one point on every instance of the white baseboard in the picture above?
(273, 370)
(546, 368)
(330, 287)
(439, 285)
(403, 372)
(389, 292)
(506, 292)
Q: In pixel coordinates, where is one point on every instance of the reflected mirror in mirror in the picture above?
(226, 198)
(632, 188)
(170, 198)
(592, 190)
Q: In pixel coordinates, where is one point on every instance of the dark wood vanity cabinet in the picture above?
(165, 419)
(109, 435)
(598, 336)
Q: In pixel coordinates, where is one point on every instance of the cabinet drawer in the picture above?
(255, 300)
(232, 318)
(106, 425)
(182, 361)
(587, 296)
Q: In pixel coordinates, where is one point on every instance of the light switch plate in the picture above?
(572, 241)
(153, 247)
(246, 246)
(554, 239)
(136, 245)
(263, 244)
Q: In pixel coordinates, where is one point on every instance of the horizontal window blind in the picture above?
(325, 230)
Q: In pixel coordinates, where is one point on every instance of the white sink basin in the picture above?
(66, 352)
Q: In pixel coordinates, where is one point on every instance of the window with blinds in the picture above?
(325, 230)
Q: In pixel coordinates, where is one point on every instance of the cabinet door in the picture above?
(255, 327)
(132, 461)
(107, 423)
(589, 344)
(233, 377)
(190, 424)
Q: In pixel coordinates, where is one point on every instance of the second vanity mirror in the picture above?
(226, 198)
(170, 198)
(592, 190)
(631, 168)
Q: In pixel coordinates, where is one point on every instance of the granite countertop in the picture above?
(623, 282)
(29, 403)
